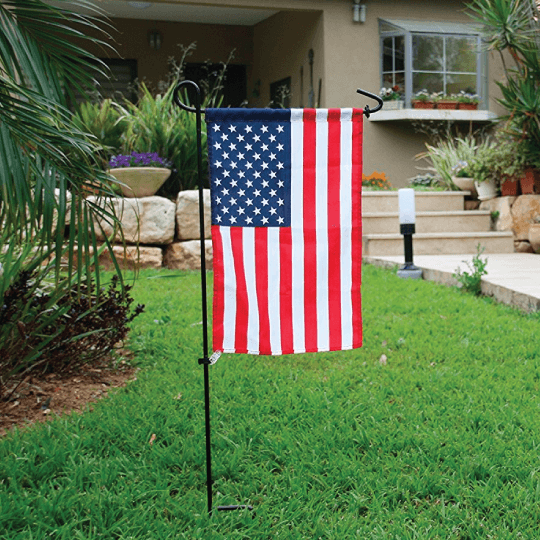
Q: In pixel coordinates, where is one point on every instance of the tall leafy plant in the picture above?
(46, 160)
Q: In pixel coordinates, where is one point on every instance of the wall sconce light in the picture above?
(155, 39)
(359, 12)
(407, 219)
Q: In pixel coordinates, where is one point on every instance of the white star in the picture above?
(248, 129)
(225, 210)
(216, 127)
(225, 155)
(234, 183)
(256, 156)
(249, 220)
(280, 146)
(272, 156)
(264, 165)
(218, 182)
(265, 183)
(249, 183)
(256, 174)
(265, 202)
(273, 211)
(233, 165)
(224, 137)
(217, 164)
(241, 193)
(272, 174)
(225, 191)
(280, 220)
(232, 146)
(249, 202)
(233, 219)
(218, 200)
(272, 138)
(218, 219)
(217, 145)
(249, 146)
(240, 210)
(280, 129)
(226, 173)
(264, 129)
(265, 220)
(248, 165)
(256, 138)
(265, 147)
(280, 202)
(280, 165)
(232, 202)
(240, 138)
(273, 193)
(256, 211)
(240, 156)
(232, 128)
(241, 174)
(280, 183)
(257, 193)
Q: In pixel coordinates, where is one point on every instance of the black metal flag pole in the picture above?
(207, 361)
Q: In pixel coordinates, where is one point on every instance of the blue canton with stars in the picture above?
(250, 167)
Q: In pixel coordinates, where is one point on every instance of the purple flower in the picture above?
(138, 159)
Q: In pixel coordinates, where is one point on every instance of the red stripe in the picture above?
(357, 225)
(242, 304)
(334, 231)
(285, 290)
(218, 306)
(310, 235)
(261, 273)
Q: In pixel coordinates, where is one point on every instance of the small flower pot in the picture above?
(486, 190)
(393, 105)
(140, 181)
(465, 184)
(423, 104)
(527, 182)
(510, 188)
(467, 106)
(448, 105)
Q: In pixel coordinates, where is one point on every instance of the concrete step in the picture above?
(429, 222)
(425, 201)
(438, 243)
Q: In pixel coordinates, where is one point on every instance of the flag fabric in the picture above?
(286, 229)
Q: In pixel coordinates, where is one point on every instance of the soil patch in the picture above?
(40, 397)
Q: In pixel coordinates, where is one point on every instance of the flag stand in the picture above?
(207, 361)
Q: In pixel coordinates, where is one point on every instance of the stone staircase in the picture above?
(443, 227)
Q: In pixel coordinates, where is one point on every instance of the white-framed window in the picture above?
(438, 57)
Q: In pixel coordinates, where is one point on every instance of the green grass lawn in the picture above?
(441, 441)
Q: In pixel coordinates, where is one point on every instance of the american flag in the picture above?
(286, 229)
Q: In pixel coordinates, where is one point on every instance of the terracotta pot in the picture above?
(510, 188)
(527, 182)
(534, 236)
(423, 105)
(486, 190)
(448, 105)
(140, 181)
(467, 106)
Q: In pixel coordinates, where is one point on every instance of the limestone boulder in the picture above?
(187, 215)
(503, 205)
(525, 212)
(148, 220)
(187, 255)
(523, 247)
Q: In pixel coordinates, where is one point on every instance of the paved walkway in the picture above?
(512, 278)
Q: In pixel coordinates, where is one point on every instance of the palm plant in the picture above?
(45, 163)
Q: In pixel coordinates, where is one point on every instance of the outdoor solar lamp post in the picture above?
(407, 219)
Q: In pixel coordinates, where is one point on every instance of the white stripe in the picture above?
(346, 231)
(229, 292)
(273, 290)
(321, 220)
(248, 247)
(297, 229)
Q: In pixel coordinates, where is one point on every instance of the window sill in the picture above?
(434, 114)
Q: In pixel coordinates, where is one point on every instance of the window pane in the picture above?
(427, 53)
(457, 83)
(432, 82)
(461, 54)
(388, 50)
(399, 53)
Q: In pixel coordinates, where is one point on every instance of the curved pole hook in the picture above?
(367, 110)
(177, 100)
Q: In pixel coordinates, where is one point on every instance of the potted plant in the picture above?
(481, 168)
(139, 174)
(391, 98)
(446, 101)
(423, 100)
(462, 177)
(467, 101)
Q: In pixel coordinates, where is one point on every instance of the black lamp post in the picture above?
(407, 218)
